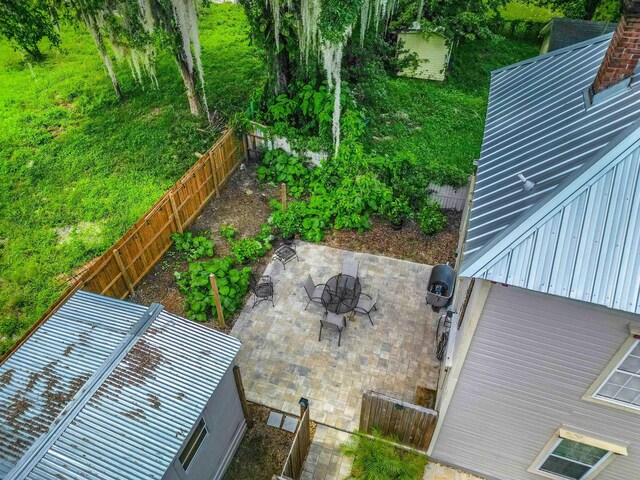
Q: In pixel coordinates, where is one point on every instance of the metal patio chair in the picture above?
(332, 320)
(350, 266)
(314, 292)
(366, 304)
(262, 289)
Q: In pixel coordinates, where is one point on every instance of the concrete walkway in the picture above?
(324, 461)
(282, 360)
(436, 471)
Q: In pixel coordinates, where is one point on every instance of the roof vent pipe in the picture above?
(623, 54)
(527, 184)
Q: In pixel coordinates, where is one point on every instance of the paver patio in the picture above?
(282, 360)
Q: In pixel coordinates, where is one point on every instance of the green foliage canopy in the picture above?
(25, 23)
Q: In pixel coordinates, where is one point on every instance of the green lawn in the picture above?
(441, 123)
(77, 168)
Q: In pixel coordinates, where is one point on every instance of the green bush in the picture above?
(280, 167)
(251, 248)
(228, 232)
(398, 210)
(195, 285)
(430, 219)
(194, 247)
(377, 459)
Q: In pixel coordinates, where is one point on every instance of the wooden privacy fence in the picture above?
(299, 449)
(411, 424)
(117, 271)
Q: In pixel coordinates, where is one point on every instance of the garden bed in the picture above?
(244, 203)
(263, 449)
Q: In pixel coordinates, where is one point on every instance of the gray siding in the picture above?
(225, 423)
(531, 360)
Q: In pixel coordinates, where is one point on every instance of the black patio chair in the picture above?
(285, 254)
(262, 289)
(314, 292)
(366, 304)
(335, 321)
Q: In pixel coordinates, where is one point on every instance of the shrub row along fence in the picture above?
(412, 425)
(299, 449)
(116, 272)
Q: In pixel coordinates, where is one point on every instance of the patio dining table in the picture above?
(341, 294)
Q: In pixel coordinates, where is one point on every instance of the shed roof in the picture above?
(540, 125)
(101, 369)
(564, 32)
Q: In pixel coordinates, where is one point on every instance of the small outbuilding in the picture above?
(564, 32)
(433, 50)
(109, 389)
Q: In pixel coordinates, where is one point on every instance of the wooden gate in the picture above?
(299, 449)
(412, 425)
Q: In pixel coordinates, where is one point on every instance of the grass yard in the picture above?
(442, 123)
(78, 168)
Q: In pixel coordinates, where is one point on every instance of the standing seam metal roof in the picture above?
(149, 400)
(538, 124)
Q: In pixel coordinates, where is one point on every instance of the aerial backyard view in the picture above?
(319, 239)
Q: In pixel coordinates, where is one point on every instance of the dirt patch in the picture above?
(263, 449)
(409, 243)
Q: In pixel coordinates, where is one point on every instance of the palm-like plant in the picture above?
(377, 459)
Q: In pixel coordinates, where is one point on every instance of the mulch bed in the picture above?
(244, 204)
(263, 449)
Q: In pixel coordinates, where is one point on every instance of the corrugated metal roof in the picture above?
(538, 124)
(582, 242)
(148, 400)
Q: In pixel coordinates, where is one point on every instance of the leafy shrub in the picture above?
(280, 167)
(398, 210)
(196, 286)
(228, 232)
(9, 327)
(194, 247)
(377, 459)
(307, 219)
(430, 219)
(250, 249)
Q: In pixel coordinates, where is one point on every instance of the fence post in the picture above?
(174, 209)
(123, 271)
(283, 193)
(216, 298)
(243, 397)
(214, 173)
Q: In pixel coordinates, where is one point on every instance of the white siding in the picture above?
(433, 54)
(531, 360)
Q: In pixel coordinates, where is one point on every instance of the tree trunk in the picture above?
(590, 7)
(282, 70)
(189, 78)
(34, 52)
(97, 38)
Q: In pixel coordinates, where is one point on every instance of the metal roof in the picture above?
(572, 233)
(141, 376)
(564, 32)
(582, 242)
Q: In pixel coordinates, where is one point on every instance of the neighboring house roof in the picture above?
(573, 233)
(106, 389)
(564, 32)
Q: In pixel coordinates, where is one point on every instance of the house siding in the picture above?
(532, 358)
(433, 55)
(225, 425)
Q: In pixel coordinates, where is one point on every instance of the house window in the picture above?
(192, 446)
(622, 385)
(568, 459)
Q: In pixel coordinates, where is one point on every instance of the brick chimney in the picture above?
(624, 50)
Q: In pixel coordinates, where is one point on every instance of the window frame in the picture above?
(193, 451)
(613, 451)
(611, 368)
